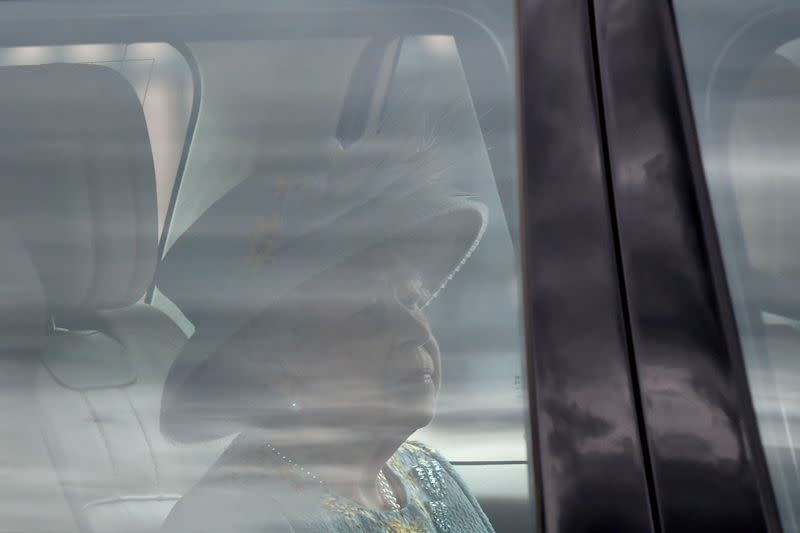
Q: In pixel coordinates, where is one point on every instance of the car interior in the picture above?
(110, 152)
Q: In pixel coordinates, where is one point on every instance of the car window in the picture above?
(743, 67)
(266, 270)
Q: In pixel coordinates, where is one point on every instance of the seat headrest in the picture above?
(77, 181)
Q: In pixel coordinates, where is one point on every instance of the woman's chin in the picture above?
(413, 413)
(422, 418)
(401, 416)
(405, 423)
(403, 407)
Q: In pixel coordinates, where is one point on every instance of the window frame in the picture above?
(590, 467)
(673, 268)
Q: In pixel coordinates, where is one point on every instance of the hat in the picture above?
(268, 235)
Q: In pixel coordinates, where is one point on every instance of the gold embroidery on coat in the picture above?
(333, 504)
(396, 526)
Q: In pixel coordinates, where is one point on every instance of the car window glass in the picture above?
(744, 82)
(266, 279)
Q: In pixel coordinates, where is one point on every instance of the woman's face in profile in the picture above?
(358, 345)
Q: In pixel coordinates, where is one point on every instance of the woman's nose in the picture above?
(410, 326)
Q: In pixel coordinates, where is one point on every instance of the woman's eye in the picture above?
(415, 297)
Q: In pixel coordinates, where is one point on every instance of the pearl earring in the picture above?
(295, 406)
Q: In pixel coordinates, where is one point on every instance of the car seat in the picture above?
(78, 187)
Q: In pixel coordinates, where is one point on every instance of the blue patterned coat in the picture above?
(250, 495)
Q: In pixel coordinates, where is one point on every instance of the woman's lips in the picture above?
(424, 368)
(422, 374)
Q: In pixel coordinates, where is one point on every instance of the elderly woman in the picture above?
(312, 345)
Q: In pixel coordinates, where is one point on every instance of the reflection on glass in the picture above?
(748, 109)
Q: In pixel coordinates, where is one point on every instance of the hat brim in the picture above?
(433, 232)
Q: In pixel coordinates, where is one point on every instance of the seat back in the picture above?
(78, 187)
(27, 481)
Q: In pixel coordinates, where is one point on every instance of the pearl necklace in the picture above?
(384, 488)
